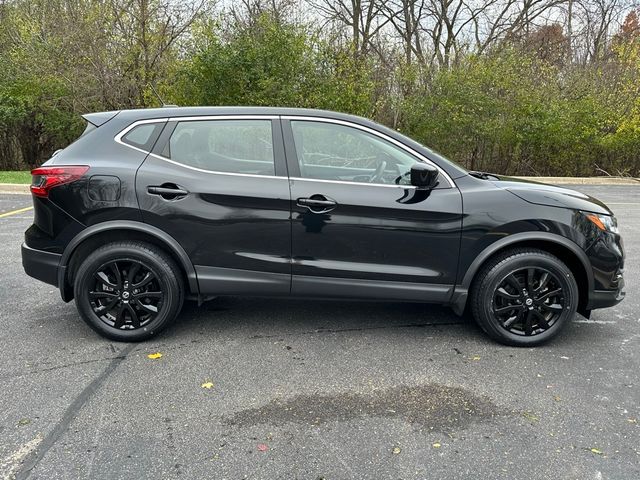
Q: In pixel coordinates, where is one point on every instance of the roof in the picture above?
(146, 113)
(124, 117)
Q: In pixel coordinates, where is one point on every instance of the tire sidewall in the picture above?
(172, 300)
(502, 270)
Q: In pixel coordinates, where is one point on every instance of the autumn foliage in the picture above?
(531, 88)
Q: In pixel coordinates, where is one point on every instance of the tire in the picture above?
(138, 304)
(519, 308)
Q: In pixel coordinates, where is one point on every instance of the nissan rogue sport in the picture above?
(149, 207)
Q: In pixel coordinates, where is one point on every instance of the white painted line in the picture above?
(10, 465)
(599, 322)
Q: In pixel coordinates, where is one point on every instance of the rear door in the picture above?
(219, 186)
(359, 229)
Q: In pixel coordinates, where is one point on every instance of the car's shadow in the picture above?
(266, 317)
(234, 318)
(254, 317)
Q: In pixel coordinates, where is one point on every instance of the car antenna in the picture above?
(164, 105)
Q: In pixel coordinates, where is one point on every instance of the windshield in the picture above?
(453, 169)
(440, 158)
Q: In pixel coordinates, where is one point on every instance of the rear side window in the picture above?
(234, 146)
(143, 136)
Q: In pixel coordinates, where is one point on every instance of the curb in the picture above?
(15, 188)
(585, 180)
(21, 189)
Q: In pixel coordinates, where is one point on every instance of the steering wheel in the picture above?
(377, 175)
(399, 178)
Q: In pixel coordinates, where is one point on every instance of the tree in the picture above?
(363, 18)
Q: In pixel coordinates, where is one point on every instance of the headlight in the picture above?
(606, 223)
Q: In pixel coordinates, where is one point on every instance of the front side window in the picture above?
(234, 146)
(329, 151)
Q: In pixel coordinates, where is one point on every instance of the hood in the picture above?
(549, 195)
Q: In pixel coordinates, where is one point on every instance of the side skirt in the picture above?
(330, 287)
(230, 281)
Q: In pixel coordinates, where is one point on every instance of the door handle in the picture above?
(168, 191)
(317, 203)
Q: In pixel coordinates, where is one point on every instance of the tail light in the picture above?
(45, 178)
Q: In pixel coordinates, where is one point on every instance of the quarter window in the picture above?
(329, 151)
(235, 146)
(143, 136)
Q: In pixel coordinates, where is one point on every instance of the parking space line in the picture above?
(11, 464)
(13, 212)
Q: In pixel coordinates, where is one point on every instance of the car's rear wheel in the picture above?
(128, 291)
(524, 297)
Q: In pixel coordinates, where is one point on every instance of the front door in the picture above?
(219, 187)
(359, 229)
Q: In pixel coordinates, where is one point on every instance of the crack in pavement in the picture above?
(58, 367)
(356, 329)
(252, 337)
(34, 457)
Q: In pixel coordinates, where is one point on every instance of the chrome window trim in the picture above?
(375, 133)
(118, 139)
(346, 182)
(215, 172)
(119, 136)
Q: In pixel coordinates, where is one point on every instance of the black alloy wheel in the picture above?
(126, 294)
(129, 290)
(528, 301)
(524, 297)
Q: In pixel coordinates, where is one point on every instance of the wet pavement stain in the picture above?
(434, 406)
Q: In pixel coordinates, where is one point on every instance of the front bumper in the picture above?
(607, 298)
(41, 265)
(606, 255)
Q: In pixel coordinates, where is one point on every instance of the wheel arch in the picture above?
(105, 232)
(569, 252)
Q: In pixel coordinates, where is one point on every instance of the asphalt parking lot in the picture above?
(311, 389)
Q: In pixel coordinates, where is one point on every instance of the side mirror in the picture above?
(424, 175)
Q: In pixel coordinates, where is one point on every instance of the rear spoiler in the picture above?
(99, 118)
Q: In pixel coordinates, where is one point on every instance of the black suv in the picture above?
(148, 207)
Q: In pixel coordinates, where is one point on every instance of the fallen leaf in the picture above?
(557, 398)
(436, 445)
(596, 451)
(475, 358)
(396, 450)
(530, 416)
(262, 447)
(207, 385)
(632, 420)
(153, 356)
(24, 421)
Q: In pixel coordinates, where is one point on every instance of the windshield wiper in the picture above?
(483, 175)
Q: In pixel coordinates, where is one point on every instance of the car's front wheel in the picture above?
(128, 291)
(524, 297)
